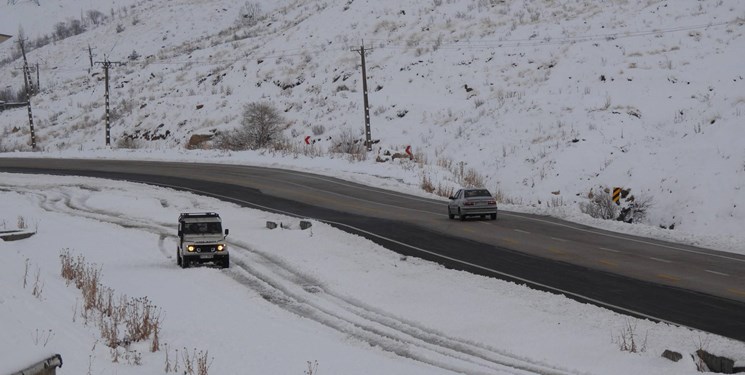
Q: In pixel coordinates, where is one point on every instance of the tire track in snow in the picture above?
(290, 289)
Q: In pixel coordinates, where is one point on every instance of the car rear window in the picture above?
(477, 193)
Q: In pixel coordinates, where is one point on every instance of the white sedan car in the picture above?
(472, 202)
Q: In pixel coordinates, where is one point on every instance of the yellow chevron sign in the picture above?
(617, 195)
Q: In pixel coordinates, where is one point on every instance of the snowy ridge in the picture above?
(545, 101)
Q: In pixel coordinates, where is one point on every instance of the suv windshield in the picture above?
(202, 228)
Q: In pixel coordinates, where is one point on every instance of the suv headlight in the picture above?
(221, 247)
(190, 248)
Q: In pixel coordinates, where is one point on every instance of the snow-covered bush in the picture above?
(600, 206)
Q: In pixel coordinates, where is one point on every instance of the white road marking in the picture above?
(611, 250)
(559, 239)
(623, 237)
(521, 231)
(717, 273)
(661, 260)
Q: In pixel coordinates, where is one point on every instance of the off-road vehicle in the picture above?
(201, 240)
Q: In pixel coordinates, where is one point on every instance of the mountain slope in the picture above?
(540, 101)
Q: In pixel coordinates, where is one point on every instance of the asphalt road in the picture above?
(694, 287)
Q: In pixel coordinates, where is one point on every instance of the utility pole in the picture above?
(90, 57)
(106, 65)
(368, 138)
(29, 83)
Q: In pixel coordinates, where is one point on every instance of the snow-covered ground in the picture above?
(544, 101)
(291, 297)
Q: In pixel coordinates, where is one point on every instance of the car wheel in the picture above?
(450, 214)
(494, 216)
(462, 217)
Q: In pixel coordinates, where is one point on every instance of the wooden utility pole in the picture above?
(106, 65)
(368, 137)
(90, 57)
(29, 88)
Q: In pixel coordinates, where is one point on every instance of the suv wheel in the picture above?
(178, 257)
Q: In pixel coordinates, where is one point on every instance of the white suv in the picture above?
(201, 240)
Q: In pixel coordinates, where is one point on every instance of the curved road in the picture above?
(685, 285)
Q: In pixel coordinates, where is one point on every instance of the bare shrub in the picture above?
(42, 337)
(601, 206)
(347, 143)
(471, 178)
(426, 184)
(38, 284)
(556, 202)
(627, 339)
(96, 17)
(195, 363)
(444, 191)
(22, 222)
(249, 14)
(129, 143)
(9, 95)
(640, 208)
(25, 275)
(262, 127)
(318, 130)
(312, 368)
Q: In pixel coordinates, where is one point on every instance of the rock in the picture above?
(671, 355)
(271, 224)
(196, 140)
(715, 363)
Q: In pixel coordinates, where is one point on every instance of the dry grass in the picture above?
(189, 363)
(121, 322)
(627, 339)
(125, 320)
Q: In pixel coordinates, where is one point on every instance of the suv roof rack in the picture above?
(184, 215)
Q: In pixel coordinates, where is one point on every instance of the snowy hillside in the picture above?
(540, 101)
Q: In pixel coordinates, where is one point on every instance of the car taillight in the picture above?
(468, 203)
(491, 202)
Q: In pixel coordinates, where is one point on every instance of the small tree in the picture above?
(249, 14)
(262, 125)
